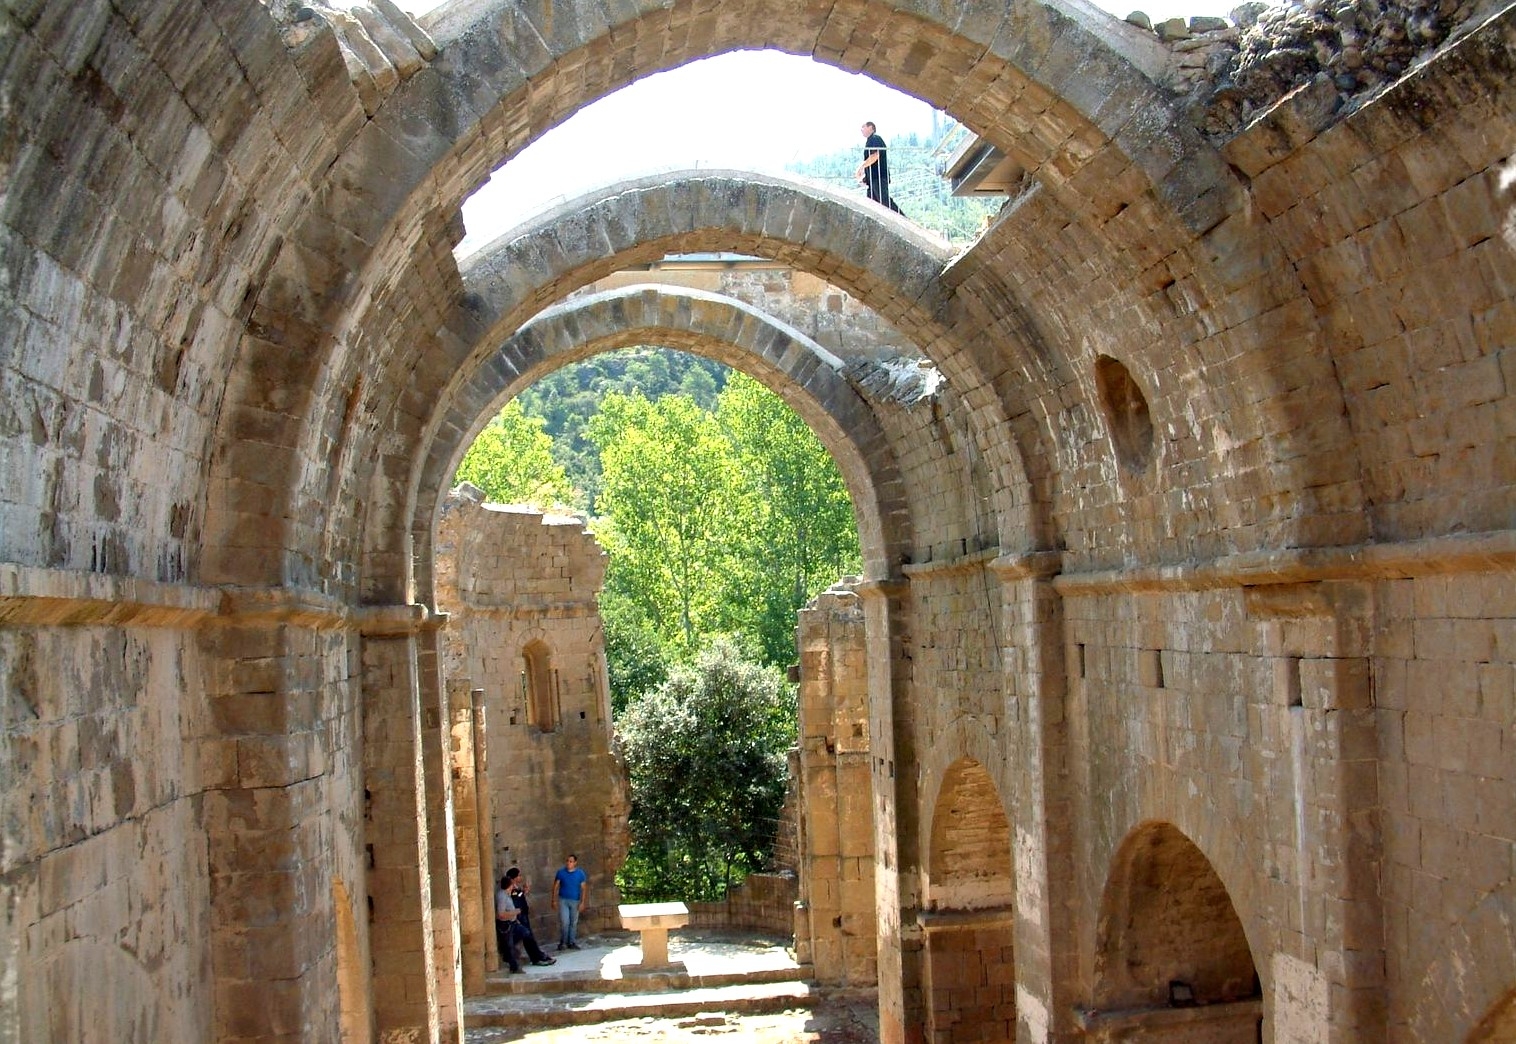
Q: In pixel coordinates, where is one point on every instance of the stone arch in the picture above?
(962, 739)
(969, 923)
(969, 851)
(1094, 126)
(806, 376)
(1467, 991)
(1167, 917)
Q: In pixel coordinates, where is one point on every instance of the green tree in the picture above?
(636, 658)
(706, 755)
(672, 496)
(804, 536)
(568, 398)
(512, 462)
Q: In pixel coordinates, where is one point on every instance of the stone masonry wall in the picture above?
(835, 918)
(1209, 529)
(828, 315)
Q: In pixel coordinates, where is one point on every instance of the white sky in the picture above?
(749, 110)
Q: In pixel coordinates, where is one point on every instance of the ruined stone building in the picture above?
(519, 589)
(1182, 668)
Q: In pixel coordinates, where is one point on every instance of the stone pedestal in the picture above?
(653, 921)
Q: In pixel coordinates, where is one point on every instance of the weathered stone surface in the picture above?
(1259, 603)
(520, 588)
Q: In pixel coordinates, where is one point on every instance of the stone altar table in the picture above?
(653, 921)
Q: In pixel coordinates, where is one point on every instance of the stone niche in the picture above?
(520, 589)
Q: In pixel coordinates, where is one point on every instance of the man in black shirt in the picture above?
(874, 171)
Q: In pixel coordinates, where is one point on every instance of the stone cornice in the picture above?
(32, 596)
(951, 920)
(565, 610)
(1433, 556)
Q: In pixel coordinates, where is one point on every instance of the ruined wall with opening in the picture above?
(520, 588)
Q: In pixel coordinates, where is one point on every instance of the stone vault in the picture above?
(1190, 594)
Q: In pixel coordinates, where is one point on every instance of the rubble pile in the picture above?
(1232, 70)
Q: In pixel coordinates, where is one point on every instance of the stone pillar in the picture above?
(273, 810)
(896, 818)
(1328, 976)
(486, 798)
(441, 854)
(1046, 938)
(399, 886)
(475, 930)
(837, 860)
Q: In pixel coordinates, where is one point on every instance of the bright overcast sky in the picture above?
(750, 110)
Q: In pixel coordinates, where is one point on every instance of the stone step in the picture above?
(542, 981)
(553, 1010)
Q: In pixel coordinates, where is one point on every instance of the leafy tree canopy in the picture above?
(512, 462)
(671, 490)
(803, 536)
(706, 754)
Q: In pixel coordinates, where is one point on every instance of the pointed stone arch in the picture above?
(1169, 938)
(969, 917)
(806, 376)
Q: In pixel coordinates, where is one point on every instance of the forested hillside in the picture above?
(916, 185)
(568, 400)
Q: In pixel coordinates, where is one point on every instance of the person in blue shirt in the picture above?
(571, 894)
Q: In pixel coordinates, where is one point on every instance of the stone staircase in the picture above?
(728, 973)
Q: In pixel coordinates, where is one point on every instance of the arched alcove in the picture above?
(969, 921)
(539, 687)
(1170, 940)
(1127, 416)
(970, 843)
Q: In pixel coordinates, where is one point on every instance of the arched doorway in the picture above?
(1173, 962)
(968, 920)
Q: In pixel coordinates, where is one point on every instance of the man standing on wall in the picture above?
(571, 889)
(874, 171)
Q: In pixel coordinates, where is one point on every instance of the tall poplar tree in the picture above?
(803, 537)
(673, 500)
(512, 462)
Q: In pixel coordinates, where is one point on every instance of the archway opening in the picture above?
(1173, 961)
(462, 593)
(969, 920)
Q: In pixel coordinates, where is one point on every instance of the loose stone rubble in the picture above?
(1233, 69)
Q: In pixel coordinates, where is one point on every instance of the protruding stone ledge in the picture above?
(1170, 1023)
(37, 597)
(931, 921)
(32, 596)
(396, 621)
(1434, 556)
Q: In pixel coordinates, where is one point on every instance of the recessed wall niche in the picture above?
(1126, 414)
